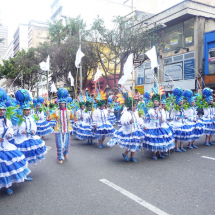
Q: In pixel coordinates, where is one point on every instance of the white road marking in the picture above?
(208, 158)
(134, 197)
(48, 148)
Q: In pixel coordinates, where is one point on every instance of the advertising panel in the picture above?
(173, 72)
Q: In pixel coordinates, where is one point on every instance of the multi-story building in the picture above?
(9, 52)
(20, 38)
(37, 33)
(4, 36)
(187, 57)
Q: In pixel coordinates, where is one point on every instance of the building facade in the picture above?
(38, 33)
(20, 39)
(181, 58)
(9, 52)
(4, 36)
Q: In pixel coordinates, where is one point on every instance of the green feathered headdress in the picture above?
(101, 103)
(88, 104)
(156, 97)
(82, 103)
(128, 102)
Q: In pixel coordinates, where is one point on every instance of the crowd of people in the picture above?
(156, 122)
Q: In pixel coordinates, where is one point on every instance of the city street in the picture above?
(99, 181)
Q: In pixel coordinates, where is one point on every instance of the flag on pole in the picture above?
(53, 88)
(98, 74)
(71, 79)
(79, 55)
(45, 65)
(152, 55)
(128, 69)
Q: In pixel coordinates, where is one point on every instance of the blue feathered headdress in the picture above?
(23, 97)
(177, 92)
(188, 94)
(62, 94)
(3, 97)
(207, 93)
(40, 101)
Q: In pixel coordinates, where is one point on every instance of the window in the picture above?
(180, 35)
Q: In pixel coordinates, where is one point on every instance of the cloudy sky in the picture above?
(14, 12)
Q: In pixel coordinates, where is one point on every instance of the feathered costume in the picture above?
(123, 137)
(43, 126)
(29, 144)
(13, 165)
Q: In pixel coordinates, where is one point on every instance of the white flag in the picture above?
(71, 79)
(45, 65)
(53, 88)
(98, 74)
(152, 55)
(128, 69)
(79, 55)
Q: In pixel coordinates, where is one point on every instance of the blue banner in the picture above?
(189, 69)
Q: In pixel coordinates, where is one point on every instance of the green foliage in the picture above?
(186, 105)
(10, 112)
(36, 117)
(141, 112)
(150, 105)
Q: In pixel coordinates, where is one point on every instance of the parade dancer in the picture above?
(130, 136)
(181, 130)
(209, 116)
(24, 134)
(192, 117)
(63, 127)
(13, 165)
(111, 115)
(43, 126)
(158, 136)
(85, 130)
(103, 127)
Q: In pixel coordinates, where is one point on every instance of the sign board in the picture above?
(189, 69)
(188, 40)
(140, 89)
(149, 76)
(173, 72)
(140, 80)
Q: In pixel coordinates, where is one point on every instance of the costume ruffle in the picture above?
(159, 139)
(112, 118)
(33, 149)
(52, 123)
(44, 128)
(126, 140)
(104, 130)
(199, 130)
(85, 131)
(183, 133)
(13, 168)
(209, 126)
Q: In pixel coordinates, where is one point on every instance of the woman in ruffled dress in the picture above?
(63, 127)
(111, 115)
(209, 116)
(130, 136)
(85, 130)
(158, 136)
(24, 135)
(13, 165)
(181, 129)
(103, 127)
(192, 117)
(43, 126)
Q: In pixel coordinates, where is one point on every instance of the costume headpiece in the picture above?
(40, 101)
(88, 104)
(177, 92)
(69, 99)
(101, 103)
(81, 104)
(128, 102)
(156, 97)
(23, 97)
(3, 97)
(207, 93)
(188, 94)
(62, 94)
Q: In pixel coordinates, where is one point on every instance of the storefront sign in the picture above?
(140, 89)
(149, 76)
(174, 41)
(189, 69)
(189, 40)
(173, 72)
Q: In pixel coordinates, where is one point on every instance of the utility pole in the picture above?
(80, 63)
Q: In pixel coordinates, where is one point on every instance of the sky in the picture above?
(14, 12)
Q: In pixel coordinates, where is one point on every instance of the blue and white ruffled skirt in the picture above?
(85, 131)
(158, 139)
(209, 126)
(105, 130)
(13, 168)
(112, 118)
(43, 128)
(33, 149)
(125, 140)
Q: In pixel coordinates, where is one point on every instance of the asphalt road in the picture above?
(181, 184)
